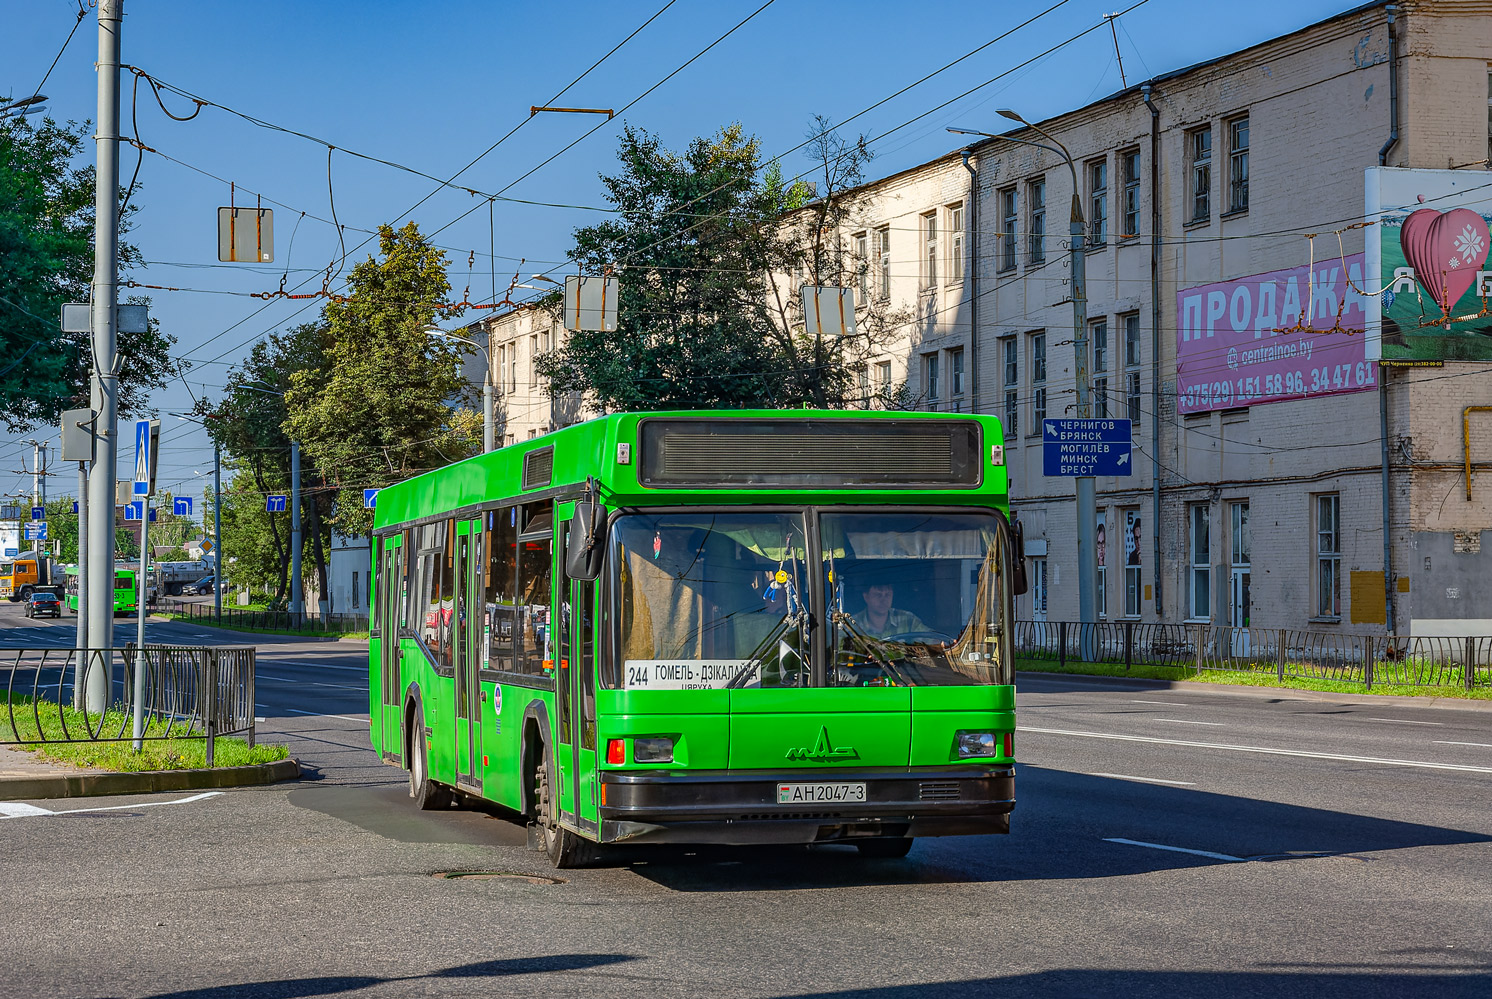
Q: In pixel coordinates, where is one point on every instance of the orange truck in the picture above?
(20, 576)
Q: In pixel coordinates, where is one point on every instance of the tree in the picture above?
(378, 408)
(46, 259)
(62, 525)
(710, 246)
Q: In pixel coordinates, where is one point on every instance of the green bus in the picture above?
(126, 591)
(707, 627)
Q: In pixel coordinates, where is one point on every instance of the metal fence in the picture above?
(191, 692)
(266, 620)
(1287, 653)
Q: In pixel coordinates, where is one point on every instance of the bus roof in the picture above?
(723, 456)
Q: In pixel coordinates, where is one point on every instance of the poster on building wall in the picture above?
(1288, 334)
(1427, 265)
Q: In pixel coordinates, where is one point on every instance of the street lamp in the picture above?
(24, 106)
(487, 428)
(1087, 501)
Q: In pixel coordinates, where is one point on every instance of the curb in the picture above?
(146, 782)
(1272, 693)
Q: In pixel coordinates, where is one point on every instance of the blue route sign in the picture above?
(132, 510)
(38, 513)
(75, 506)
(370, 498)
(181, 506)
(274, 504)
(36, 530)
(1086, 447)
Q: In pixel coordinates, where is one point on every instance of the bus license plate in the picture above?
(799, 794)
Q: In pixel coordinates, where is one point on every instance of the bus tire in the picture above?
(888, 849)
(565, 849)
(427, 793)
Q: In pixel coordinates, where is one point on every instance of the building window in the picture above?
(1037, 354)
(929, 251)
(956, 371)
(1098, 333)
(1098, 202)
(1132, 563)
(1007, 229)
(883, 262)
(1328, 555)
(1012, 383)
(883, 376)
(862, 265)
(1131, 170)
(1036, 194)
(1238, 165)
(862, 382)
(1200, 568)
(1239, 596)
(955, 243)
(513, 366)
(1200, 146)
(1132, 366)
(501, 354)
(930, 375)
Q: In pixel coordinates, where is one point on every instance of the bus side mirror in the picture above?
(1018, 583)
(586, 546)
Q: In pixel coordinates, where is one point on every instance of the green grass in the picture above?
(1248, 678)
(120, 757)
(208, 622)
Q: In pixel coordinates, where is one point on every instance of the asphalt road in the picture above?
(1166, 843)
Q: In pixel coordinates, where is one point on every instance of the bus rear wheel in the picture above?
(890, 849)
(564, 848)
(427, 793)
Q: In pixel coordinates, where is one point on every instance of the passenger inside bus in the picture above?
(880, 618)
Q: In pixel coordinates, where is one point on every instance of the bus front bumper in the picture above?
(742, 809)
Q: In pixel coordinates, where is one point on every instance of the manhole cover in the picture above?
(533, 879)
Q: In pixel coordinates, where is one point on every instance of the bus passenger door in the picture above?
(564, 684)
(466, 656)
(391, 612)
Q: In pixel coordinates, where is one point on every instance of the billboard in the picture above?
(1427, 265)
(1231, 348)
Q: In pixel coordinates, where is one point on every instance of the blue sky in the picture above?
(431, 85)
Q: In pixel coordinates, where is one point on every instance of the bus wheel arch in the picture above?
(534, 755)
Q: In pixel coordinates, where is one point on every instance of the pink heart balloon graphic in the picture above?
(1446, 249)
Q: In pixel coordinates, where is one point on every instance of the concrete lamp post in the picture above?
(1087, 503)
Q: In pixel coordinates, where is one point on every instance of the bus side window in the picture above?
(502, 575)
(535, 633)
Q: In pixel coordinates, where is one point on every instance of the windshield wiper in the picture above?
(758, 653)
(867, 645)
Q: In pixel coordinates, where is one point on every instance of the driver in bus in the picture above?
(880, 619)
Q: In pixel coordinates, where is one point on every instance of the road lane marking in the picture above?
(1177, 849)
(1402, 721)
(1265, 750)
(1187, 721)
(306, 665)
(15, 809)
(313, 683)
(1148, 780)
(318, 714)
(1169, 704)
(1484, 745)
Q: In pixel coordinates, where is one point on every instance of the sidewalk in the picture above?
(24, 777)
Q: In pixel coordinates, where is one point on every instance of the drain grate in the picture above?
(533, 879)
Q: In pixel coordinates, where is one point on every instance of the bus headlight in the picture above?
(654, 749)
(976, 744)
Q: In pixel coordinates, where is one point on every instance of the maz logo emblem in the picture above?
(823, 750)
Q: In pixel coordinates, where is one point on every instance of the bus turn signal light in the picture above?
(1010, 745)
(616, 751)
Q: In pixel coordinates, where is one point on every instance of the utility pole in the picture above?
(142, 664)
(217, 533)
(80, 667)
(297, 601)
(105, 401)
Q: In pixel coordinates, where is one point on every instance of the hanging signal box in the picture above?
(246, 235)
(591, 303)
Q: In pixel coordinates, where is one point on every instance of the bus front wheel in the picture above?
(564, 848)
(890, 849)
(426, 792)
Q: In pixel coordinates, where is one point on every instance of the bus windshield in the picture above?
(718, 600)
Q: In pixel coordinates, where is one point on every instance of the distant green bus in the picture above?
(707, 627)
(126, 590)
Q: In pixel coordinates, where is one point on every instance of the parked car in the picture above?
(43, 603)
(204, 585)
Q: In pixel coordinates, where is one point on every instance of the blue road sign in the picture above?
(36, 530)
(1086, 447)
(181, 506)
(152, 514)
(142, 459)
(370, 498)
(132, 511)
(38, 513)
(12, 552)
(75, 506)
(274, 504)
